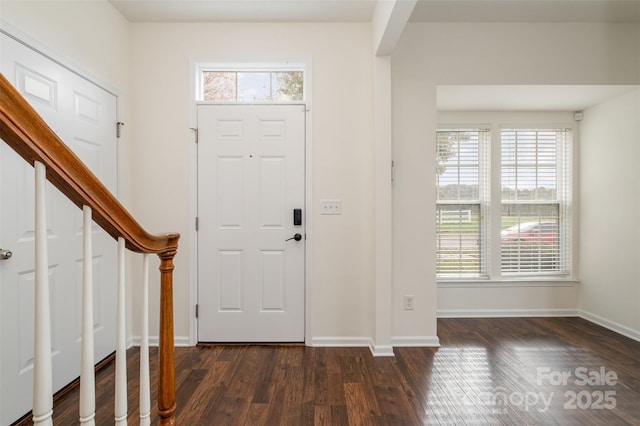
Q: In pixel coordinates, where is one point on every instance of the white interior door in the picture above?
(251, 177)
(84, 116)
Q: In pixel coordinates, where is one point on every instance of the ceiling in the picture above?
(525, 98)
(527, 11)
(478, 98)
(246, 10)
(362, 10)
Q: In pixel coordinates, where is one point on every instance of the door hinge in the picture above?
(197, 222)
(195, 132)
(197, 310)
(119, 125)
(393, 171)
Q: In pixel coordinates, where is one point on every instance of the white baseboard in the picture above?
(611, 325)
(376, 350)
(505, 313)
(433, 341)
(416, 341)
(500, 313)
(178, 341)
(382, 350)
(341, 342)
(346, 342)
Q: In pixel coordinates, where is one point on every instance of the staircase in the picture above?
(22, 129)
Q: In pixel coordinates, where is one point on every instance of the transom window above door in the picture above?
(259, 84)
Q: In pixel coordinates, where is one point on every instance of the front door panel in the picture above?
(250, 180)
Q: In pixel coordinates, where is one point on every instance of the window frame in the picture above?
(270, 67)
(496, 121)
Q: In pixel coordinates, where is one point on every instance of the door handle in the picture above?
(296, 237)
(5, 254)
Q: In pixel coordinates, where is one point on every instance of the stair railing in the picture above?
(25, 132)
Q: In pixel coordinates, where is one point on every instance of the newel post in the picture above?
(167, 369)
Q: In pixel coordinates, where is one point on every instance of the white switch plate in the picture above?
(330, 206)
(408, 302)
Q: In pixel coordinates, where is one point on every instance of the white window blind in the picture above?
(535, 182)
(462, 190)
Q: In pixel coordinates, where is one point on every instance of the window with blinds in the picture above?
(531, 194)
(535, 183)
(462, 188)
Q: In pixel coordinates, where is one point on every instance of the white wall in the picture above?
(429, 55)
(88, 34)
(155, 59)
(342, 111)
(610, 209)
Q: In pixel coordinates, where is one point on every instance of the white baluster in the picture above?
(42, 371)
(145, 387)
(121, 342)
(87, 372)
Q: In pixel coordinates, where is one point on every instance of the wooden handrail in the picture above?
(27, 133)
(22, 128)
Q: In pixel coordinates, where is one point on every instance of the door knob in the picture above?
(296, 237)
(5, 254)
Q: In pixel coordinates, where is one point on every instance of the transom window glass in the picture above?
(252, 86)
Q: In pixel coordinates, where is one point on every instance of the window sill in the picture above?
(509, 282)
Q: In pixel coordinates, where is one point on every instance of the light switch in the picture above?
(330, 206)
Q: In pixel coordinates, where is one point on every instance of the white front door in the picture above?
(251, 179)
(84, 116)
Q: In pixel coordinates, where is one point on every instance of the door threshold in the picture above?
(208, 344)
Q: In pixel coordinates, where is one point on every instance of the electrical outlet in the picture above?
(408, 302)
(330, 206)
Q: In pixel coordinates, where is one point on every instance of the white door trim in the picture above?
(193, 193)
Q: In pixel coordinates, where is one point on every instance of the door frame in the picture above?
(194, 64)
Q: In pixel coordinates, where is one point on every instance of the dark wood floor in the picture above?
(488, 371)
